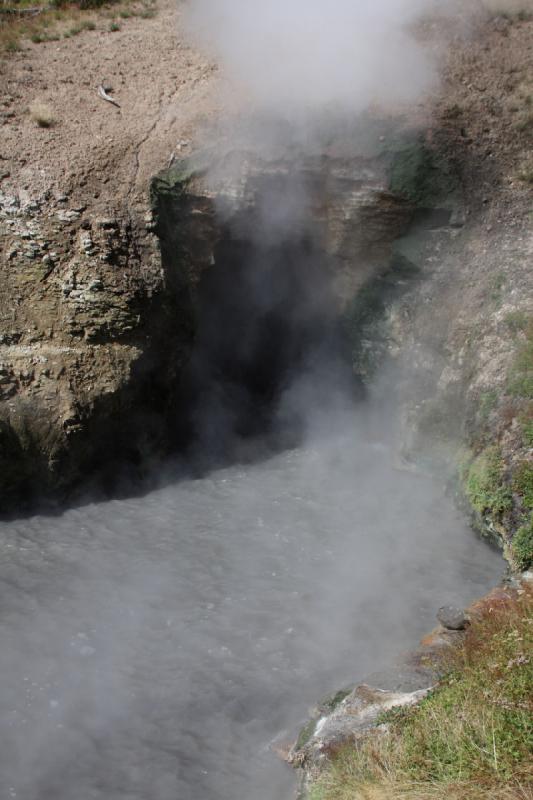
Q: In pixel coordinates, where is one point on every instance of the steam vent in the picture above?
(266, 410)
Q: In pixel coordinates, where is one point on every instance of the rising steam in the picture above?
(304, 57)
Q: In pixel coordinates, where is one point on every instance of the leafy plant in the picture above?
(523, 483)
(484, 483)
(522, 545)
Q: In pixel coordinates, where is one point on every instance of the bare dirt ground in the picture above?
(166, 90)
(163, 88)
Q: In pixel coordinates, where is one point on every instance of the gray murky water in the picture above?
(151, 648)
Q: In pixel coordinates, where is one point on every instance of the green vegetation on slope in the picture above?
(484, 484)
(497, 478)
(471, 738)
(522, 546)
(23, 21)
(520, 382)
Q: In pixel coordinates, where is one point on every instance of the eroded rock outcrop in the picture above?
(100, 308)
(89, 330)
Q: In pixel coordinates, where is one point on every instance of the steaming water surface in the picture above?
(151, 648)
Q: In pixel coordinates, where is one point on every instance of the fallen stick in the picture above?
(105, 96)
(23, 12)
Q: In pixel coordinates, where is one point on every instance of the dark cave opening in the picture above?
(265, 314)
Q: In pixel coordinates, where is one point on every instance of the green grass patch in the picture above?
(487, 403)
(471, 738)
(527, 430)
(305, 734)
(484, 483)
(496, 286)
(516, 321)
(522, 545)
(523, 483)
(14, 28)
(84, 25)
(421, 175)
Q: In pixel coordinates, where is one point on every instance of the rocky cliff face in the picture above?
(91, 339)
(100, 312)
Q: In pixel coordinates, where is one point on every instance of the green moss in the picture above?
(421, 175)
(364, 318)
(306, 734)
(523, 483)
(522, 545)
(484, 484)
(332, 701)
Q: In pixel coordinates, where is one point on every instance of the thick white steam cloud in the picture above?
(299, 57)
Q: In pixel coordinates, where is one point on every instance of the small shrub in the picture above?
(84, 25)
(516, 321)
(496, 287)
(12, 45)
(527, 431)
(487, 403)
(484, 486)
(523, 483)
(522, 545)
(42, 114)
(114, 26)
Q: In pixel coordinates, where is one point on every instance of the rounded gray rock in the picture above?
(452, 618)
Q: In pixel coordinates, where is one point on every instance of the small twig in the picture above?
(105, 96)
(23, 12)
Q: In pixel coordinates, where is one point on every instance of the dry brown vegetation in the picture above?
(42, 114)
(472, 738)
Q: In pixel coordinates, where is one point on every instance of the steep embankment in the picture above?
(92, 329)
(466, 332)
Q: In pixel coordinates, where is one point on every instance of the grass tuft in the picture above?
(42, 114)
(484, 483)
(522, 545)
(523, 483)
(471, 738)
